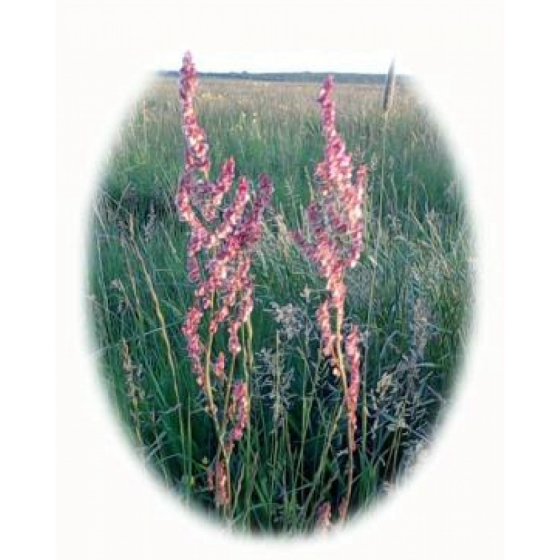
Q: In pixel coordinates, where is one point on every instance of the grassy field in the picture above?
(410, 294)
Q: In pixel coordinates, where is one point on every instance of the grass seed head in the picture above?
(390, 86)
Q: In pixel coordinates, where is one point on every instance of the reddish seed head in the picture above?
(324, 320)
(335, 219)
(234, 345)
(225, 235)
(194, 347)
(353, 358)
(220, 365)
(221, 486)
(335, 216)
(196, 148)
(240, 410)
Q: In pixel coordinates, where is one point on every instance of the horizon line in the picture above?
(284, 72)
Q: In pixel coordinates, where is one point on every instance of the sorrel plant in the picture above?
(335, 220)
(218, 262)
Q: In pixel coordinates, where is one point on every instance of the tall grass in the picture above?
(409, 294)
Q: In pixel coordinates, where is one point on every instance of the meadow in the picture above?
(410, 294)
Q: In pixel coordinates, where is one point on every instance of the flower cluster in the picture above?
(221, 484)
(336, 222)
(220, 366)
(190, 329)
(239, 411)
(217, 480)
(335, 215)
(221, 239)
(327, 336)
(353, 358)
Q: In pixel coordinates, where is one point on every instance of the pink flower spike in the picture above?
(196, 151)
(194, 346)
(220, 365)
(234, 345)
(324, 320)
(240, 410)
(222, 237)
(353, 357)
(221, 486)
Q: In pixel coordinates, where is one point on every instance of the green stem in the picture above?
(350, 433)
(213, 410)
(350, 430)
(373, 282)
(167, 343)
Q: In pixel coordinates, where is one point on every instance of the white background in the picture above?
(109, 507)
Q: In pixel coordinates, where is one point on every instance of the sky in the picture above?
(284, 61)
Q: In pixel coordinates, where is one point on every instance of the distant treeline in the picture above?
(341, 78)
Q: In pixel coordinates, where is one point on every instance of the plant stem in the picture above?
(166, 342)
(373, 282)
(350, 430)
(212, 407)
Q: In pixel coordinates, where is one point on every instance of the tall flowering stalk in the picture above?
(219, 258)
(336, 227)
